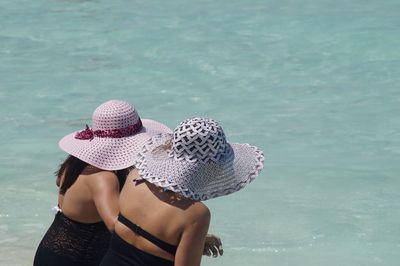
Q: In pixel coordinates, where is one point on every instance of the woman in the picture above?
(89, 182)
(162, 220)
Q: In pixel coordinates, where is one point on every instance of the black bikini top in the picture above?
(156, 241)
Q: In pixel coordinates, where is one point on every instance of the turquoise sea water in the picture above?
(314, 83)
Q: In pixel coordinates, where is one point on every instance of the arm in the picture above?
(190, 248)
(105, 192)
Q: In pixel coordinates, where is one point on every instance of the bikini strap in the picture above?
(156, 241)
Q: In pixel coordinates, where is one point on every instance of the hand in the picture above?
(213, 246)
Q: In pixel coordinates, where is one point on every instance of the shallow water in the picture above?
(315, 84)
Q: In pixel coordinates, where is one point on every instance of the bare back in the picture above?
(92, 198)
(164, 214)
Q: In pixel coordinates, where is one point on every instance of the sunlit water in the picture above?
(315, 84)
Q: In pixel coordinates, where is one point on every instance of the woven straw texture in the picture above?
(112, 153)
(198, 162)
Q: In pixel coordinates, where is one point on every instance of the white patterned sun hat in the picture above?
(197, 161)
(115, 139)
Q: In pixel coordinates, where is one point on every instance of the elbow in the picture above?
(110, 227)
(110, 224)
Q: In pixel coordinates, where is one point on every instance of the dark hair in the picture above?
(72, 167)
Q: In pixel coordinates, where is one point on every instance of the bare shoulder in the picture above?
(198, 212)
(102, 178)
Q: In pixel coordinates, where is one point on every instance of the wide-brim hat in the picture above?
(197, 161)
(115, 138)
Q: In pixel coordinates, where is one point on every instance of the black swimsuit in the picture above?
(69, 243)
(72, 243)
(121, 253)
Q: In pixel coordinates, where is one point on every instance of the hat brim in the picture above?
(112, 153)
(200, 181)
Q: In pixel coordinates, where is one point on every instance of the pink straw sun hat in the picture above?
(115, 138)
(197, 161)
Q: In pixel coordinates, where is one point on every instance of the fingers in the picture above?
(217, 242)
(207, 252)
(221, 249)
(214, 251)
(213, 246)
